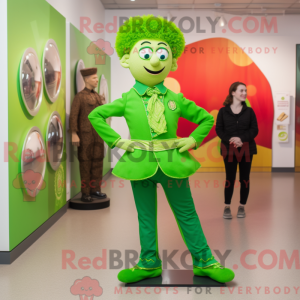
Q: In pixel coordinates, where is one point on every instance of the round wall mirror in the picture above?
(55, 140)
(31, 82)
(33, 162)
(52, 70)
(103, 88)
(80, 85)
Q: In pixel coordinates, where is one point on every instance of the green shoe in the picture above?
(216, 272)
(136, 274)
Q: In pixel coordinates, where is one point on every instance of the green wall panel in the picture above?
(31, 24)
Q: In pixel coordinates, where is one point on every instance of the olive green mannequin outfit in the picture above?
(152, 116)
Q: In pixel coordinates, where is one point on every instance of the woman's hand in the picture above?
(236, 141)
(238, 145)
(186, 144)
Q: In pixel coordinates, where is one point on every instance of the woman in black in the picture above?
(237, 127)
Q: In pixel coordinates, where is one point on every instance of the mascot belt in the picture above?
(155, 145)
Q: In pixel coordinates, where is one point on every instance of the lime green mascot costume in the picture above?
(150, 46)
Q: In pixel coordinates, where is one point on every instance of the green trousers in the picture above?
(180, 199)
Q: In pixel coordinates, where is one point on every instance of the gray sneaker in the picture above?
(227, 213)
(241, 212)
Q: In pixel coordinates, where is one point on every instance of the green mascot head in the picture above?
(149, 46)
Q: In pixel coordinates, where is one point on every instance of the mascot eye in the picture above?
(162, 54)
(145, 53)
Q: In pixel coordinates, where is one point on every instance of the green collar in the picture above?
(141, 88)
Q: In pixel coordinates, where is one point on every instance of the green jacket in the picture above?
(142, 164)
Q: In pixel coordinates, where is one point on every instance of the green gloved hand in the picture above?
(125, 144)
(186, 144)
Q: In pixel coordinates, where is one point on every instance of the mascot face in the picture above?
(150, 61)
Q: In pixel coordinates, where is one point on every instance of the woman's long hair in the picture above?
(233, 88)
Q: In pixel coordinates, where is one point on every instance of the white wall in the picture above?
(4, 206)
(278, 68)
(73, 10)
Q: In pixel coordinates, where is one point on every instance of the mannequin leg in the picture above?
(84, 167)
(85, 161)
(96, 175)
(97, 163)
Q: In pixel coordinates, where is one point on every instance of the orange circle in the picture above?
(172, 84)
(251, 90)
(238, 57)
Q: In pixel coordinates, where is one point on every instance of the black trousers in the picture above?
(231, 162)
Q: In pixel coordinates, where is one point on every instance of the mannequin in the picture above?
(89, 143)
(154, 154)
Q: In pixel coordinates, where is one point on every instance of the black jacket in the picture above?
(242, 125)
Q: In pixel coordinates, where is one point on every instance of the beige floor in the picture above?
(272, 224)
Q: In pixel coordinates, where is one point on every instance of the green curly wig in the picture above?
(150, 27)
